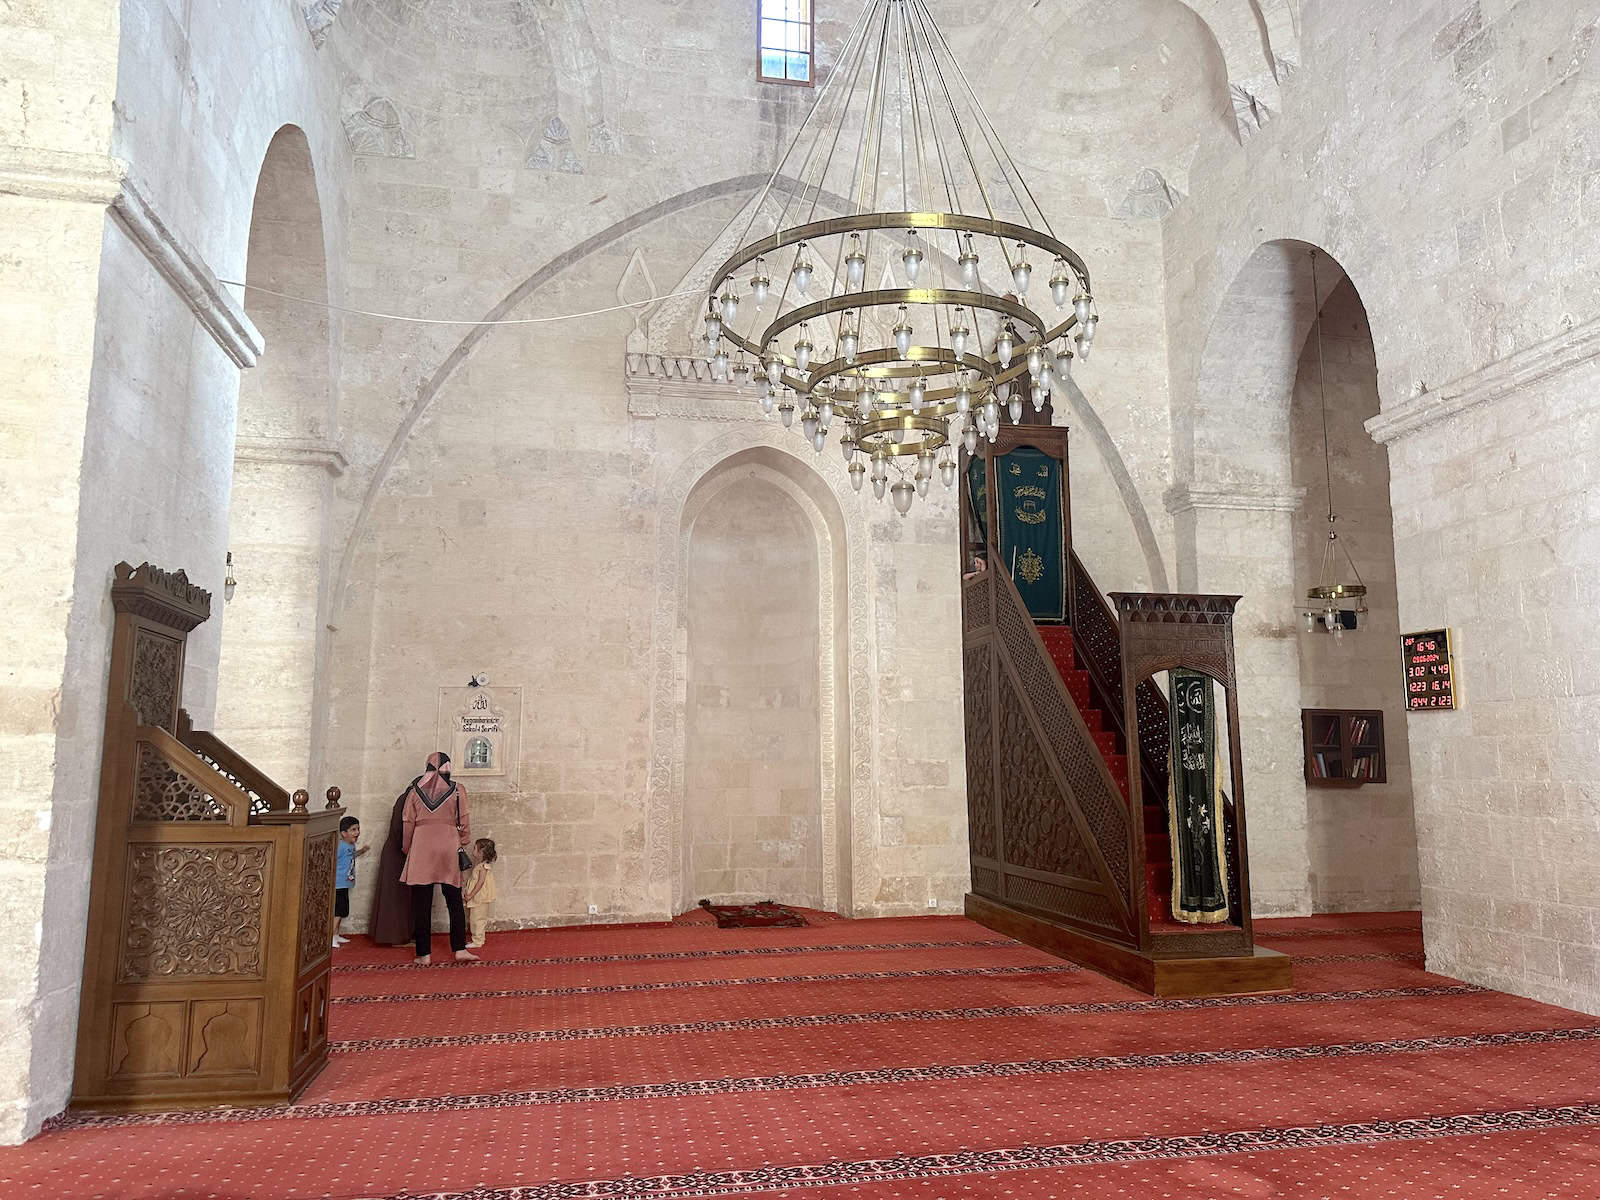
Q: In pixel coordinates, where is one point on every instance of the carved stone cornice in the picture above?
(38, 174)
(166, 597)
(661, 385)
(101, 179)
(292, 452)
(170, 252)
(1188, 497)
(1173, 608)
(1504, 377)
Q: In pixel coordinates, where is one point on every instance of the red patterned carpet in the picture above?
(924, 1058)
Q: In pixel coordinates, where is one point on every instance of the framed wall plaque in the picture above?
(481, 729)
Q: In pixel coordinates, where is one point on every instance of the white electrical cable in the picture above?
(362, 312)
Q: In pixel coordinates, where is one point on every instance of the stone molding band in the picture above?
(1190, 497)
(101, 179)
(1499, 379)
(292, 452)
(671, 386)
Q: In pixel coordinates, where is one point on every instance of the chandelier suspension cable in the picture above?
(1322, 386)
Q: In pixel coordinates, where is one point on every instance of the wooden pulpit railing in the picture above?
(211, 903)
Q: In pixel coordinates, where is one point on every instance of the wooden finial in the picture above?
(333, 797)
(301, 798)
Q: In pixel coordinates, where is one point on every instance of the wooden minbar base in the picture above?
(1223, 975)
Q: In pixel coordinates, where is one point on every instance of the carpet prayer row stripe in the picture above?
(1024, 1158)
(1353, 931)
(809, 1021)
(675, 1089)
(666, 955)
(667, 985)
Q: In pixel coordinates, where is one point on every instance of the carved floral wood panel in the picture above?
(161, 793)
(193, 910)
(153, 687)
(316, 901)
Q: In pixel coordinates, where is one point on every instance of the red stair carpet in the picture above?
(877, 1060)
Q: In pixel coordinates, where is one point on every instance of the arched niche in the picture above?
(282, 475)
(761, 796)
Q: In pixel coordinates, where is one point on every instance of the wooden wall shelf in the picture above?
(1343, 746)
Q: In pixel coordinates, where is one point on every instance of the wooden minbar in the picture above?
(206, 965)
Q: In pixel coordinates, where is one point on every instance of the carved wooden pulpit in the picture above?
(205, 976)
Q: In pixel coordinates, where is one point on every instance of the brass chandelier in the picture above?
(909, 323)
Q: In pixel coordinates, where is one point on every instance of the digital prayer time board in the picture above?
(1430, 673)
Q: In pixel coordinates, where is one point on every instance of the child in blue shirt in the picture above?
(344, 874)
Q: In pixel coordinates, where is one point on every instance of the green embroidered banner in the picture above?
(1028, 491)
(1194, 805)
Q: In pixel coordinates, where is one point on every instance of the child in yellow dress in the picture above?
(477, 890)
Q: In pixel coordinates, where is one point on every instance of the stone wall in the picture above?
(1361, 842)
(752, 821)
(1450, 166)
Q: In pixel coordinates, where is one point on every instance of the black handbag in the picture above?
(463, 859)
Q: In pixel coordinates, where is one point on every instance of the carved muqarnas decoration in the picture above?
(160, 793)
(377, 128)
(194, 910)
(320, 16)
(574, 58)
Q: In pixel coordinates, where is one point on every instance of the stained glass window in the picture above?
(783, 41)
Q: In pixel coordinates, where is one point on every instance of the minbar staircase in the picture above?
(1108, 739)
(1067, 743)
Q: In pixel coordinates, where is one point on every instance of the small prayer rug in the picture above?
(765, 914)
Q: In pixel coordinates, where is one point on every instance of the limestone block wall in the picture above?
(752, 821)
(1449, 167)
(1361, 842)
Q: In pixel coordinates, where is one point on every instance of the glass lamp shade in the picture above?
(1047, 379)
(786, 413)
(902, 337)
(1015, 409)
(857, 474)
(825, 412)
(759, 286)
(963, 398)
(1082, 307)
(847, 447)
(802, 272)
(802, 353)
(763, 388)
(855, 263)
(719, 364)
(774, 370)
(991, 413)
(1064, 365)
(1083, 348)
(1038, 399)
(1002, 392)
(880, 467)
(809, 425)
(1089, 327)
(911, 257)
(969, 439)
(1060, 284)
(969, 265)
(947, 473)
(713, 327)
(1035, 361)
(918, 395)
(1003, 345)
(766, 402)
(1021, 276)
(878, 486)
(903, 494)
(730, 305)
(958, 340)
(847, 345)
(819, 439)
(922, 483)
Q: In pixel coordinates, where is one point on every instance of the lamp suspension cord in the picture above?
(1322, 392)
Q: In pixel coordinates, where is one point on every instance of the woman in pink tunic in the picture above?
(435, 828)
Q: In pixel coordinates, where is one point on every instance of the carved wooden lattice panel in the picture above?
(258, 802)
(193, 910)
(1097, 631)
(980, 751)
(975, 603)
(160, 793)
(1050, 897)
(1036, 823)
(1151, 708)
(986, 881)
(153, 688)
(1078, 757)
(316, 900)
